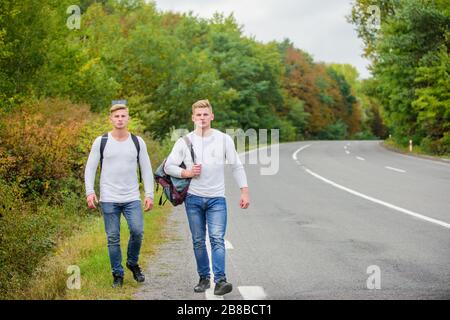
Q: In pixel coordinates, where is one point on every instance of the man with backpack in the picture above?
(205, 202)
(120, 153)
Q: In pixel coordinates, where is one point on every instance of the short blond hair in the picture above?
(202, 104)
(118, 106)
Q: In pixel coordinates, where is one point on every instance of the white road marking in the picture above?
(383, 203)
(345, 147)
(347, 152)
(249, 293)
(418, 158)
(395, 169)
(209, 294)
(252, 293)
(359, 158)
(294, 155)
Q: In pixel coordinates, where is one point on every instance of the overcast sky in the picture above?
(316, 26)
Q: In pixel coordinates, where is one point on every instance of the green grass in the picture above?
(417, 150)
(88, 250)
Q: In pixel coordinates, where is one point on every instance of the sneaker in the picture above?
(137, 273)
(223, 287)
(118, 281)
(202, 285)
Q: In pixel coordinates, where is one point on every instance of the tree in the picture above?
(365, 15)
(408, 63)
(432, 103)
(23, 31)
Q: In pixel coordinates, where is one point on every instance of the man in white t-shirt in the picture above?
(119, 154)
(205, 202)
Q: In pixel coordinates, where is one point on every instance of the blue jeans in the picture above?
(211, 212)
(133, 214)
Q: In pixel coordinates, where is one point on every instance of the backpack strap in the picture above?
(138, 148)
(102, 148)
(136, 143)
(191, 148)
(161, 203)
(225, 158)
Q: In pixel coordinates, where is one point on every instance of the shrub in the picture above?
(37, 143)
(364, 135)
(335, 131)
(44, 148)
(438, 147)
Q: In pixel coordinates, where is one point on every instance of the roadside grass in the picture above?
(417, 150)
(88, 251)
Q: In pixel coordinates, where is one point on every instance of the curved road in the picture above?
(340, 220)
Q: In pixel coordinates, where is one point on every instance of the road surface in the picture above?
(340, 220)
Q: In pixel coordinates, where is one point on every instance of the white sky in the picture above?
(317, 26)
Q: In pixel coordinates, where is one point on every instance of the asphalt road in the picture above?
(339, 220)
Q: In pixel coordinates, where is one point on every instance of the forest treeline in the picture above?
(161, 62)
(409, 54)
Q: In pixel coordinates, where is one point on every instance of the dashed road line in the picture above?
(209, 294)
(252, 292)
(395, 169)
(228, 245)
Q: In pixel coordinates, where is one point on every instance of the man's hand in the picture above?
(244, 203)
(91, 201)
(194, 172)
(148, 204)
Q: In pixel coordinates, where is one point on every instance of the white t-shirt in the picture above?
(212, 152)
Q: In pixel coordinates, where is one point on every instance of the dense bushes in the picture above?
(41, 159)
(335, 131)
(28, 232)
(38, 144)
(44, 148)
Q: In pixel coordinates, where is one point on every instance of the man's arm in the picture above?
(146, 169)
(147, 174)
(177, 156)
(238, 172)
(236, 165)
(89, 172)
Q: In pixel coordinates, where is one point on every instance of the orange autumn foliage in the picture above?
(37, 142)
